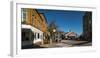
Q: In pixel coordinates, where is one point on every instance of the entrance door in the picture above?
(27, 38)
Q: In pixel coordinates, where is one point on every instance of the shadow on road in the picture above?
(31, 46)
(82, 43)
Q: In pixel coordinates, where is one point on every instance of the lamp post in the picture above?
(54, 30)
(52, 37)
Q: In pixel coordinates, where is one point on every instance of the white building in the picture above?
(70, 35)
(31, 34)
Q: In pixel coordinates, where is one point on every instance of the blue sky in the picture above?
(65, 19)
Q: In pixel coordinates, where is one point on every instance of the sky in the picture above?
(65, 19)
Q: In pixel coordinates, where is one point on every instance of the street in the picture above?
(61, 44)
(67, 43)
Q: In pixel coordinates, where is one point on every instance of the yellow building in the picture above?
(37, 23)
(36, 19)
(44, 23)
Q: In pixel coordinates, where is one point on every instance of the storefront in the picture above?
(31, 35)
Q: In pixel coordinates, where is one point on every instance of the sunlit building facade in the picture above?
(34, 26)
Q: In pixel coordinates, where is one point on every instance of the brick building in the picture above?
(34, 26)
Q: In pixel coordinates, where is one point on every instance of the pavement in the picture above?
(53, 45)
(62, 43)
(67, 43)
(31, 46)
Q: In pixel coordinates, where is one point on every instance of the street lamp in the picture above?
(54, 30)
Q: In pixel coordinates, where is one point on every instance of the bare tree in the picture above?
(52, 26)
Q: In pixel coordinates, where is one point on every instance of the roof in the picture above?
(70, 34)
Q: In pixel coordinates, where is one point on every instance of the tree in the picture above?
(51, 28)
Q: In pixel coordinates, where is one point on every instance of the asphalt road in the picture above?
(68, 43)
(62, 43)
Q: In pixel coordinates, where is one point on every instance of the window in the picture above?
(38, 35)
(23, 15)
(35, 35)
(33, 19)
